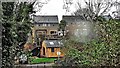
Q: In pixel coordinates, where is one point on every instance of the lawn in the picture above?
(41, 60)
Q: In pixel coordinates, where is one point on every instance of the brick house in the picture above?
(46, 25)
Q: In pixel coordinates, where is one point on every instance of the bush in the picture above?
(103, 50)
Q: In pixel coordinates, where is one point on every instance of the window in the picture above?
(52, 32)
(52, 49)
(51, 43)
(48, 24)
(45, 25)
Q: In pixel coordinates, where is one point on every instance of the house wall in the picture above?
(82, 30)
(53, 54)
(41, 50)
(53, 27)
(70, 28)
(33, 35)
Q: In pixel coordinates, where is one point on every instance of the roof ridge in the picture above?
(45, 15)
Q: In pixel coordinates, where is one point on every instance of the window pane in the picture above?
(44, 24)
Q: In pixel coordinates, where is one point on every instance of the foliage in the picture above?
(104, 50)
(62, 24)
(16, 25)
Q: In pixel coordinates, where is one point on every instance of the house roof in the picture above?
(45, 19)
(107, 17)
(53, 43)
(71, 18)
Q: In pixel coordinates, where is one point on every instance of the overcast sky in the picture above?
(55, 7)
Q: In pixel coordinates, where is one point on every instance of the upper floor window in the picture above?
(44, 25)
(48, 24)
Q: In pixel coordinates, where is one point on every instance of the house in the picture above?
(107, 17)
(77, 27)
(73, 22)
(45, 26)
(50, 48)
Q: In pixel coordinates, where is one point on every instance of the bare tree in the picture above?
(94, 8)
(116, 13)
(67, 4)
(39, 4)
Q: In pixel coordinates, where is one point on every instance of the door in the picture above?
(43, 51)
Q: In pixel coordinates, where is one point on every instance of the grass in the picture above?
(41, 60)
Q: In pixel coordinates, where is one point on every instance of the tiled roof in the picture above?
(53, 43)
(47, 22)
(71, 19)
(45, 18)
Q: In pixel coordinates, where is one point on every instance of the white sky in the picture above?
(55, 7)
